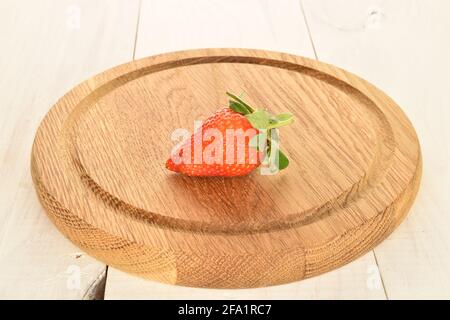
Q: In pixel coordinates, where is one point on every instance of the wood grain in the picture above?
(331, 285)
(98, 167)
(363, 37)
(272, 25)
(44, 54)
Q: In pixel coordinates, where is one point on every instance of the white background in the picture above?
(48, 46)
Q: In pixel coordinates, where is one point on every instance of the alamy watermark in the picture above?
(212, 146)
(73, 21)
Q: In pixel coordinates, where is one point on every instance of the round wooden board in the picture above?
(98, 163)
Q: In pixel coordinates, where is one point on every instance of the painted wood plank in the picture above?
(47, 47)
(403, 48)
(267, 25)
(173, 25)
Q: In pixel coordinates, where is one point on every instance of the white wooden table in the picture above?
(48, 46)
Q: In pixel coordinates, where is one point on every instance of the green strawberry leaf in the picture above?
(235, 98)
(239, 108)
(281, 120)
(259, 119)
(283, 117)
(283, 161)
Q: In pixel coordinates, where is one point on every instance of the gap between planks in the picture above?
(137, 28)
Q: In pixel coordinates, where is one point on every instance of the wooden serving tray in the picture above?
(98, 163)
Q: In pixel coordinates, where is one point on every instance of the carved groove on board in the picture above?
(219, 271)
(363, 238)
(329, 229)
(385, 141)
(226, 271)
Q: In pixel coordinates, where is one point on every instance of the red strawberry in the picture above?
(222, 147)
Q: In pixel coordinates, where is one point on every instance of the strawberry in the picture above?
(230, 143)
